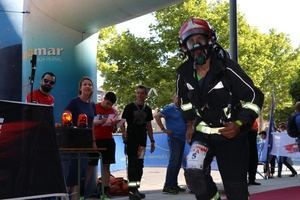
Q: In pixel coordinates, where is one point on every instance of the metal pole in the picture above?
(233, 30)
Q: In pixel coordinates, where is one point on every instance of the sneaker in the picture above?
(170, 190)
(104, 197)
(293, 174)
(134, 196)
(180, 189)
(142, 195)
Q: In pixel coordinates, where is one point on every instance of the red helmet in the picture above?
(194, 26)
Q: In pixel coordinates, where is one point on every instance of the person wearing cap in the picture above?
(220, 104)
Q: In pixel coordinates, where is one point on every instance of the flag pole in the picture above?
(269, 133)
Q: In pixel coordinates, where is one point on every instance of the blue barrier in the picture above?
(159, 158)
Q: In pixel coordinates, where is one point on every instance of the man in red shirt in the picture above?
(42, 95)
(104, 125)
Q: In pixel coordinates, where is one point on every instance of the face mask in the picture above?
(200, 59)
(46, 88)
(198, 52)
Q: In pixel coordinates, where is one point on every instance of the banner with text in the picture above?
(284, 145)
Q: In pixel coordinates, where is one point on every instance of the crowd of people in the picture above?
(215, 109)
(102, 120)
(270, 163)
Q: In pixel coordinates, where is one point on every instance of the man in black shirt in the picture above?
(138, 118)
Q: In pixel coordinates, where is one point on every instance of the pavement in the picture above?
(153, 181)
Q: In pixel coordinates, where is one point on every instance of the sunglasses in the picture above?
(49, 82)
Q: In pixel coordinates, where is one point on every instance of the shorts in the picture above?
(108, 155)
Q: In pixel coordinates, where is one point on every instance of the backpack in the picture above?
(118, 186)
(292, 126)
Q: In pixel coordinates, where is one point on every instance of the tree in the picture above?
(268, 58)
(129, 61)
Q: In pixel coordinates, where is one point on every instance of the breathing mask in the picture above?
(199, 52)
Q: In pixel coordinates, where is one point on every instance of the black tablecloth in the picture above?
(70, 137)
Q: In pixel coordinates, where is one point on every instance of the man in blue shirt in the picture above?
(176, 130)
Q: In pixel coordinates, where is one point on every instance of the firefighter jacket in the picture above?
(226, 93)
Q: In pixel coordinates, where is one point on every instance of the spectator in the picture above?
(138, 117)
(82, 104)
(104, 126)
(297, 119)
(42, 95)
(284, 159)
(175, 129)
(269, 165)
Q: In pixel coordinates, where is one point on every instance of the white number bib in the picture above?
(195, 158)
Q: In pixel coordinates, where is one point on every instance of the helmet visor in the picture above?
(196, 42)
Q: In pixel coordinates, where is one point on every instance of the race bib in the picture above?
(195, 158)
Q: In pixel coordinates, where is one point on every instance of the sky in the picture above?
(282, 15)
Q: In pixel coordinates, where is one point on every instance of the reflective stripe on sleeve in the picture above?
(226, 113)
(204, 128)
(252, 106)
(186, 107)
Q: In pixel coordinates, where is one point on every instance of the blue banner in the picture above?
(159, 158)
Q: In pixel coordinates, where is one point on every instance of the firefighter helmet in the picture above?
(194, 26)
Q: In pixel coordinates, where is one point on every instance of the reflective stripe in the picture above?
(252, 106)
(189, 86)
(186, 107)
(132, 184)
(227, 114)
(198, 113)
(216, 197)
(204, 128)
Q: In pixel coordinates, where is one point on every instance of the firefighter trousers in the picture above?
(232, 160)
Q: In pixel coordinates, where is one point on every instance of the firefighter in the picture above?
(219, 103)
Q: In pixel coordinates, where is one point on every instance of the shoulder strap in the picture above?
(139, 107)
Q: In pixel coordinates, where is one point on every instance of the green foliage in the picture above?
(295, 88)
(126, 60)
(129, 61)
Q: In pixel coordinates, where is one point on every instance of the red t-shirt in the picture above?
(39, 97)
(103, 131)
(255, 126)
